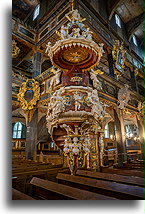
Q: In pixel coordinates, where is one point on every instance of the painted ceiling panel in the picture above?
(130, 9)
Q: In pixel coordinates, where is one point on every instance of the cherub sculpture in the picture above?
(96, 82)
(77, 99)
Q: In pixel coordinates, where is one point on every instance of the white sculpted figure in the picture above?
(101, 48)
(96, 82)
(93, 97)
(101, 51)
(64, 32)
(88, 34)
(68, 129)
(96, 107)
(76, 33)
(55, 79)
(76, 16)
(56, 105)
(97, 110)
(123, 96)
(48, 47)
(77, 99)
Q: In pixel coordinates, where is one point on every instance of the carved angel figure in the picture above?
(68, 129)
(64, 32)
(76, 16)
(75, 33)
(92, 97)
(101, 48)
(88, 34)
(55, 79)
(48, 47)
(97, 110)
(123, 96)
(96, 106)
(77, 99)
(56, 105)
(96, 82)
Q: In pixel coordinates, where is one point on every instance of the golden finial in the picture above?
(72, 4)
(58, 33)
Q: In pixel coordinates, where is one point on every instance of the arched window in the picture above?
(19, 130)
(51, 144)
(134, 40)
(117, 20)
(106, 131)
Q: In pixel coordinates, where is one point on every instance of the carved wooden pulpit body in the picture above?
(74, 111)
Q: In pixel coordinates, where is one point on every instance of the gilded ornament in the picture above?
(15, 49)
(27, 89)
(118, 54)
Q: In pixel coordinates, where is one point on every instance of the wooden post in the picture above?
(98, 152)
(41, 157)
(141, 136)
(35, 156)
(120, 138)
(31, 136)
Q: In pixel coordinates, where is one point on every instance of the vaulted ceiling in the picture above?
(23, 8)
(129, 9)
(131, 13)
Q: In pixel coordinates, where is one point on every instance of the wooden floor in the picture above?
(39, 181)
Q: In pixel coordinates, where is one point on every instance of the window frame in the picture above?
(106, 132)
(134, 40)
(17, 131)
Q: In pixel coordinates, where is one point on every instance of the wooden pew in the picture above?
(133, 165)
(17, 195)
(48, 190)
(24, 168)
(35, 171)
(100, 186)
(124, 172)
(112, 177)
